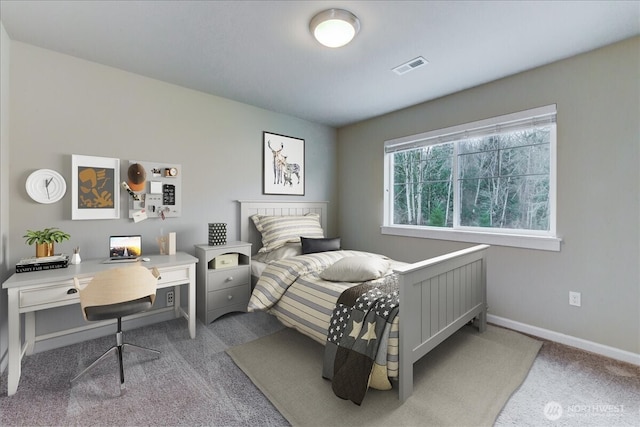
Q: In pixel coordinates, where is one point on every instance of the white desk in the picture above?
(39, 290)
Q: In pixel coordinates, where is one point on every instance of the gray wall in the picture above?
(598, 100)
(61, 105)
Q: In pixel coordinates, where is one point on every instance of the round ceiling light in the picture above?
(334, 27)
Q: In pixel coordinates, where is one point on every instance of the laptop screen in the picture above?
(124, 247)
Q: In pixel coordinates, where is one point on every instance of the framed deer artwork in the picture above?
(283, 164)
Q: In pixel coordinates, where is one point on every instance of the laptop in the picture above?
(124, 248)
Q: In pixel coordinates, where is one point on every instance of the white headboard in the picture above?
(248, 231)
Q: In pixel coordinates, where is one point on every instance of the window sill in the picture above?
(544, 243)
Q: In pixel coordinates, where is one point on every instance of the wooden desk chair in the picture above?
(113, 294)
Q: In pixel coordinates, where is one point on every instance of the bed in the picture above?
(437, 296)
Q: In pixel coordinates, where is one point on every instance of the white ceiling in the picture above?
(261, 52)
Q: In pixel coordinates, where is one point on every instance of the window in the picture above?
(491, 181)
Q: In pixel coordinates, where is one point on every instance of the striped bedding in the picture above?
(292, 290)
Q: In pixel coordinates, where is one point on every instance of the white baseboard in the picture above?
(604, 350)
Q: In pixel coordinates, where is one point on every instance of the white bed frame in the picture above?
(437, 296)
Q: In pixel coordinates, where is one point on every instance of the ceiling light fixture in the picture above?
(334, 27)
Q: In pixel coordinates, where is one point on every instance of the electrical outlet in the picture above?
(574, 298)
(169, 298)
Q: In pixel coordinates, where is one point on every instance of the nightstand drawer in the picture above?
(229, 296)
(227, 278)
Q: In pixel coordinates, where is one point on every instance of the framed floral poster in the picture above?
(283, 164)
(95, 187)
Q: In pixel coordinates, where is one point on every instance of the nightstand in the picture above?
(222, 285)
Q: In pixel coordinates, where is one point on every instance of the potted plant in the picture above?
(45, 239)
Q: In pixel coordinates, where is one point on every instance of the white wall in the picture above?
(5, 61)
(62, 105)
(598, 100)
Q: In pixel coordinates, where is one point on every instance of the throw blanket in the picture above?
(356, 347)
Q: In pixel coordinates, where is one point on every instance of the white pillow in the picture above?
(286, 251)
(278, 230)
(356, 269)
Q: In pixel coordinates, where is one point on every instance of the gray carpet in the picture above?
(196, 383)
(193, 382)
(571, 387)
(465, 381)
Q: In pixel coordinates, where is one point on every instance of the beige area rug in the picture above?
(465, 381)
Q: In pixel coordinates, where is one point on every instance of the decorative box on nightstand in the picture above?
(223, 279)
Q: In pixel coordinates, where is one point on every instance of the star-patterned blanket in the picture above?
(356, 348)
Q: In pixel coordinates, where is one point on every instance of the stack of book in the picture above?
(42, 263)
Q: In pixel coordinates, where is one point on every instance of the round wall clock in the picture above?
(46, 186)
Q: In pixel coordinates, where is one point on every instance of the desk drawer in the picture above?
(49, 295)
(178, 275)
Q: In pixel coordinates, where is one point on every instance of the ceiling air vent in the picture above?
(410, 65)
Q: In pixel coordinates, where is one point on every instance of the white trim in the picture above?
(604, 350)
(553, 182)
(420, 139)
(545, 243)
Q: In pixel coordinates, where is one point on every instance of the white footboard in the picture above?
(437, 297)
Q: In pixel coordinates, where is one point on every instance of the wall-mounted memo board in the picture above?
(160, 196)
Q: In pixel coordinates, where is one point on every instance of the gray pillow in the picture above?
(310, 246)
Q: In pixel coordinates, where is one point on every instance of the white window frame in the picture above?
(531, 239)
